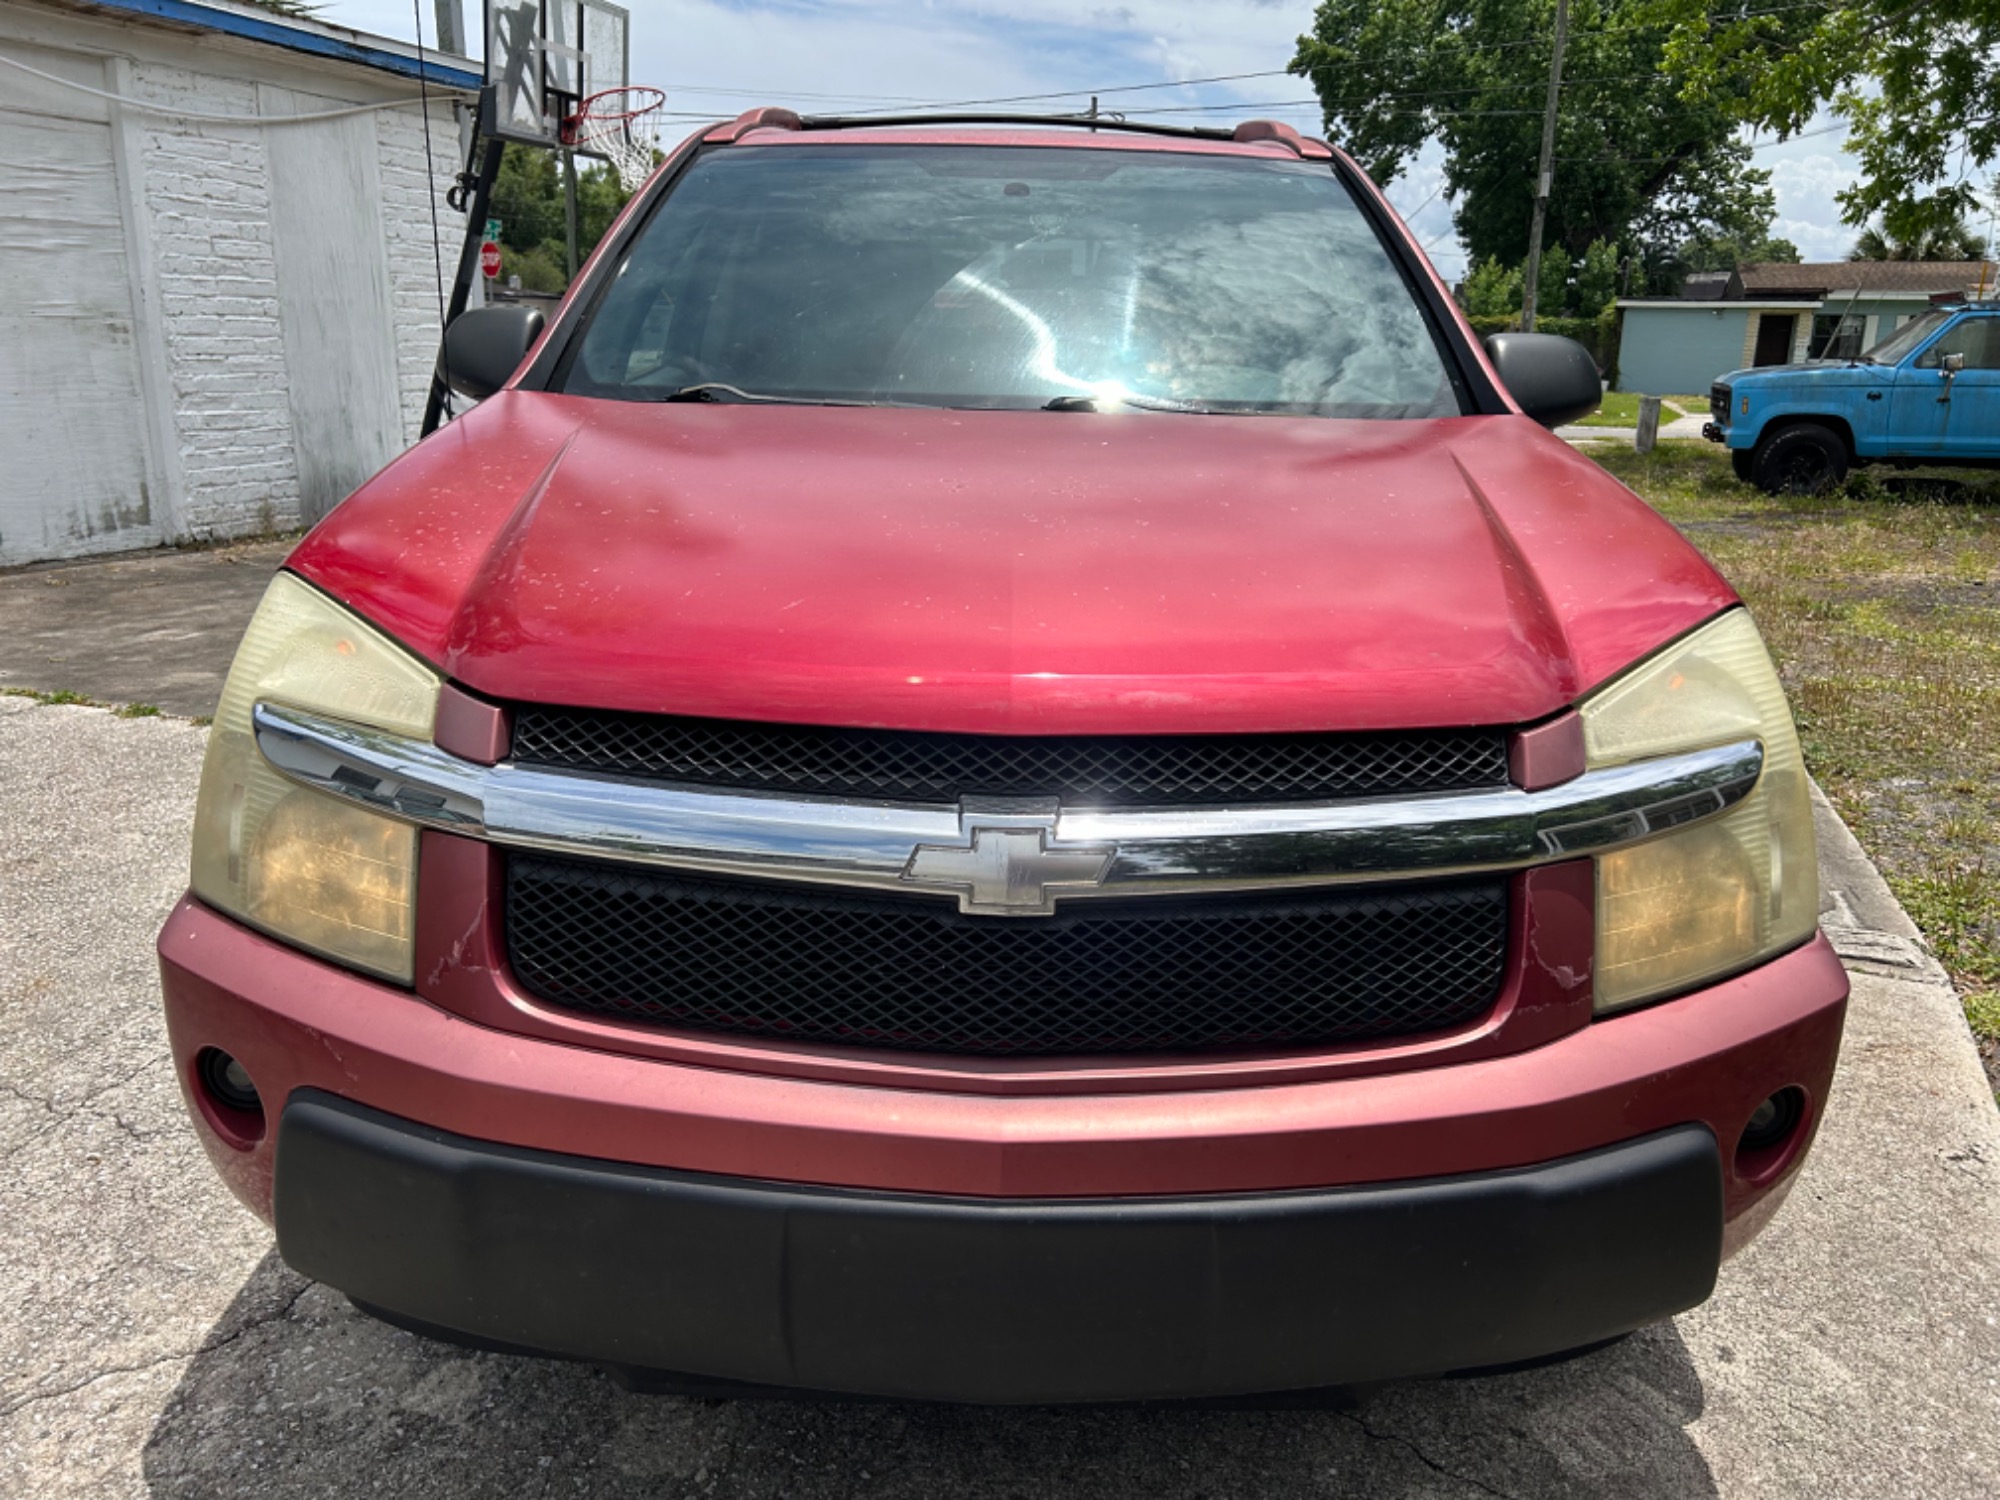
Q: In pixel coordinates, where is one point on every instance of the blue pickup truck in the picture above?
(1927, 394)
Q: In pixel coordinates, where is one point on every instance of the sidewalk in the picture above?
(1680, 427)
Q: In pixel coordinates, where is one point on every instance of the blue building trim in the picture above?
(276, 33)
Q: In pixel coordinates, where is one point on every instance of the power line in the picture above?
(899, 103)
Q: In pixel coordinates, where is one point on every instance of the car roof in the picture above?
(774, 126)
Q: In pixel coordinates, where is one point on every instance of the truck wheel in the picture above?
(1744, 462)
(1804, 458)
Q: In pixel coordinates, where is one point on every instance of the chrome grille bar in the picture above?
(877, 845)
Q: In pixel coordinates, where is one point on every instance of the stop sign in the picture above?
(489, 259)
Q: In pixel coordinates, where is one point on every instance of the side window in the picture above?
(1977, 338)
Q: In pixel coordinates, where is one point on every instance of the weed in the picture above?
(138, 711)
(1983, 1011)
(57, 698)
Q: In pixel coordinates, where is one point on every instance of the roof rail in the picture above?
(1250, 130)
(766, 117)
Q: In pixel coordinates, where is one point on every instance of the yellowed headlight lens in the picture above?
(1708, 900)
(329, 876)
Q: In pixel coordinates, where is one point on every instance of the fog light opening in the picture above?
(229, 1099)
(1770, 1133)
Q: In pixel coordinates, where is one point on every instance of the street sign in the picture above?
(492, 230)
(489, 260)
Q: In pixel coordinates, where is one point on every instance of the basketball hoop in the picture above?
(621, 125)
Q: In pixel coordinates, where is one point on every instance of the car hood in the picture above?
(1820, 372)
(1010, 572)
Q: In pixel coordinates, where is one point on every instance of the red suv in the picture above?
(1005, 767)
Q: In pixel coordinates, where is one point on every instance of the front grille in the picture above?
(1157, 975)
(1137, 770)
(1718, 403)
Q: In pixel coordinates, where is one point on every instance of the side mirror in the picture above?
(1554, 379)
(484, 347)
(1952, 364)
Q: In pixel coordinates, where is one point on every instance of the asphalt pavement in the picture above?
(154, 628)
(151, 1344)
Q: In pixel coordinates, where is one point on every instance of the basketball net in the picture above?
(622, 126)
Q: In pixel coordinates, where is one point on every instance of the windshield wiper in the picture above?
(716, 390)
(1140, 403)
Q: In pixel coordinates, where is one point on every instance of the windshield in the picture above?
(1892, 349)
(1013, 277)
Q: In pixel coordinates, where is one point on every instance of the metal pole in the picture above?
(489, 150)
(569, 207)
(1542, 176)
(451, 27)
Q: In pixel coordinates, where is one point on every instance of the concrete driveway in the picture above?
(151, 1344)
(145, 627)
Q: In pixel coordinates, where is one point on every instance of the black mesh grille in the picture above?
(1102, 976)
(1139, 770)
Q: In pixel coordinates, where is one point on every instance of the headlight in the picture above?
(321, 873)
(1690, 906)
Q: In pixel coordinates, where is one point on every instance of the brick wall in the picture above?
(207, 199)
(414, 257)
(207, 196)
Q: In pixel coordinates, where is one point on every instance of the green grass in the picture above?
(64, 697)
(1621, 409)
(59, 697)
(1881, 603)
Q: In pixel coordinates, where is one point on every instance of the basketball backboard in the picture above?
(543, 56)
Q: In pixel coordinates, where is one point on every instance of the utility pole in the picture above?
(451, 27)
(1543, 176)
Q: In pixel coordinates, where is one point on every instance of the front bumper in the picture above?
(1041, 1300)
(938, 1182)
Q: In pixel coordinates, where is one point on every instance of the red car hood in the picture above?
(1011, 572)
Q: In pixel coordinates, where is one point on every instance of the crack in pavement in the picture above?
(1424, 1458)
(36, 1398)
(71, 1108)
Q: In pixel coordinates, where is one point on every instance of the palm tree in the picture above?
(1950, 242)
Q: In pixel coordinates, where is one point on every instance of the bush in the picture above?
(540, 269)
(1599, 335)
(1492, 290)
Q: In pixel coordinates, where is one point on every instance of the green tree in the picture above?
(1917, 81)
(1493, 290)
(528, 202)
(1941, 242)
(1552, 283)
(1637, 164)
(1596, 278)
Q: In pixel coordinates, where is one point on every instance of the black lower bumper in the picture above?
(993, 1300)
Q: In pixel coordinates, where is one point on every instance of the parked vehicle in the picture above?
(1007, 768)
(1927, 394)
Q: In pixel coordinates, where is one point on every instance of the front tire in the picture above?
(1802, 459)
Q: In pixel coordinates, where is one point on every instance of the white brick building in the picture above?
(209, 328)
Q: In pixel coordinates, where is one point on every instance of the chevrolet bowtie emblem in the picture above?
(1010, 866)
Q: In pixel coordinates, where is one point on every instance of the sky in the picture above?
(831, 56)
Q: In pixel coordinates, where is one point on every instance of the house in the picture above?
(220, 313)
(1775, 313)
